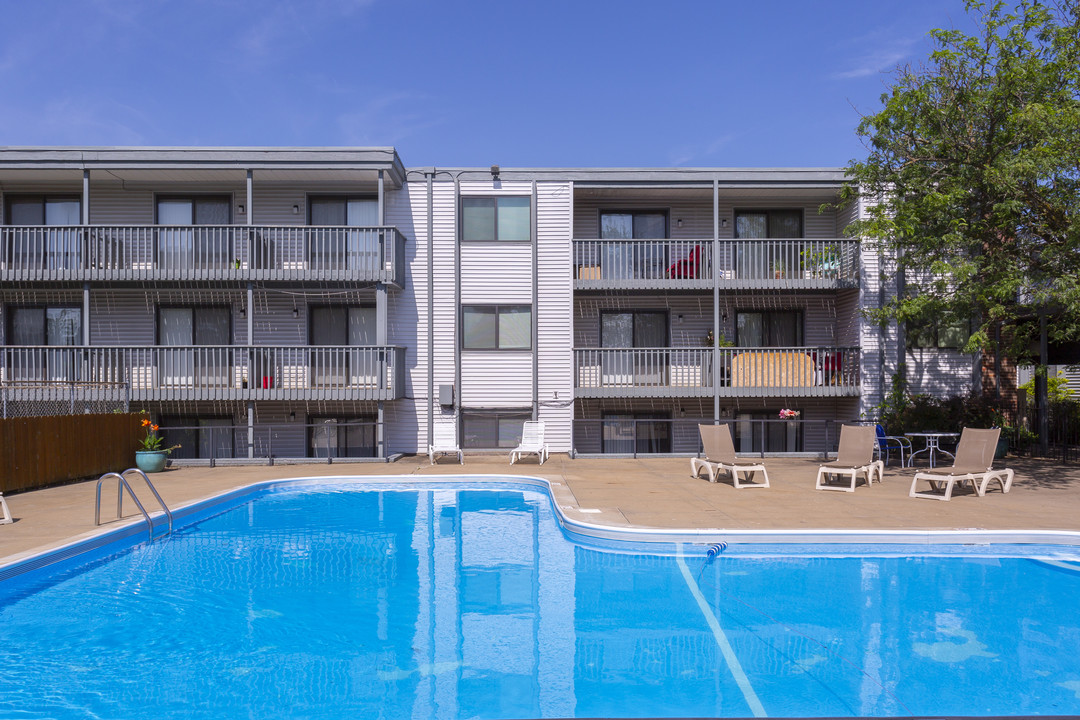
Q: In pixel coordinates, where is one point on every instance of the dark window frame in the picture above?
(666, 212)
(801, 312)
(229, 198)
(663, 441)
(193, 308)
(767, 213)
(666, 312)
(9, 320)
(495, 199)
(312, 198)
(311, 319)
(498, 307)
(192, 421)
(928, 335)
(518, 414)
(342, 420)
(45, 197)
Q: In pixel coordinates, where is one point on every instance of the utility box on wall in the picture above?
(446, 395)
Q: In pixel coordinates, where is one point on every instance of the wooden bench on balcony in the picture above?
(773, 369)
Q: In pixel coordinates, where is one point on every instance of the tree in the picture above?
(972, 181)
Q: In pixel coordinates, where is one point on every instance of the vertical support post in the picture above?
(250, 208)
(86, 314)
(250, 316)
(716, 300)
(1042, 400)
(382, 201)
(380, 435)
(382, 315)
(901, 328)
(85, 197)
(250, 242)
(251, 429)
(457, 300)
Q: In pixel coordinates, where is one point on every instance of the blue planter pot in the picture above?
(151, 460)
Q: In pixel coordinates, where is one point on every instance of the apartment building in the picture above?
(330, 302)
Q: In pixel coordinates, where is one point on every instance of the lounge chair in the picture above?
(886, 443)
(6, 517)
(532, 441)
(973, 463)
(720, 457)
(854, 457)
(444, 441)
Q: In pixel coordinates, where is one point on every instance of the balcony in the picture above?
(742, 372)
(774, 264)
(211, 372)
(202, 252)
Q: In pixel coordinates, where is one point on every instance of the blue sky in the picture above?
(718, 83)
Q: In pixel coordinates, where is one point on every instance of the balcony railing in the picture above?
(217, 372)
(740, 264)
(741, 372)
(202, 252)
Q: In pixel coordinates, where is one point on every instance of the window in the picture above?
(60, 248)
(45, 326)
(752, 429)
(180, 363)
(773, 328)
(768, 223)
(503, 218)
(181, 246)
(628, 433)
(496, 327)
(493, 428)
(634, 329)
(937, 334)
(341, 437)
(637, 260)
(330, 245)
(38, 326)
(343, 327)
(198, 436)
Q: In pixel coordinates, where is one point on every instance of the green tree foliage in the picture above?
(973, 177)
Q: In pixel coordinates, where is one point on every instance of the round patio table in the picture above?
(933, 447)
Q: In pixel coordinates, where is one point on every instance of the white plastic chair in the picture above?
(444, 441)
(6, 519)
(532, 441)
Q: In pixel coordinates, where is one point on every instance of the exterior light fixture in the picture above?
(494, 172)
(295, 209)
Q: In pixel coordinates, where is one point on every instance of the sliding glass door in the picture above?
(629, 330)
(183, 365)
(633, 260)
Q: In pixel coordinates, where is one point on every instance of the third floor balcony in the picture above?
(740, 264)
(120, 253)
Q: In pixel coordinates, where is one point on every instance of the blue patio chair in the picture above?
(886, 443)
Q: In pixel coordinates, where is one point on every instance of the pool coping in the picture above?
(564, 506)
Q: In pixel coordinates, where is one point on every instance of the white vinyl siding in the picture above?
(553, 313)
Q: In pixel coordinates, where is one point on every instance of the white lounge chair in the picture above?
(444, 441)
(6, 518)
(973, 463)
(532, 441)
(854, 457)
(720, 457)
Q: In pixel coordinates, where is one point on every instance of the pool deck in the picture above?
(643, 493)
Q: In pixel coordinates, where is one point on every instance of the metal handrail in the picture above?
(122, 483)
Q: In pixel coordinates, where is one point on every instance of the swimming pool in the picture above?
(346, 599)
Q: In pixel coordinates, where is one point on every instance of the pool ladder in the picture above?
(121, 485)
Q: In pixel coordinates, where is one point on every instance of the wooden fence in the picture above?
(37, 452)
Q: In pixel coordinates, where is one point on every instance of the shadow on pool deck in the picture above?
(653, 492)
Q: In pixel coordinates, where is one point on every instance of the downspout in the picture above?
(536, 309)
(457, 301)
(430, 305)
(250, 312)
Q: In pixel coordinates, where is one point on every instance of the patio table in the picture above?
(933, 446)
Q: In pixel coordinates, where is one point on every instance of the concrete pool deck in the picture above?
(652, 493)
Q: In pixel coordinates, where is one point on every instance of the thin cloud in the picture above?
(386, 120)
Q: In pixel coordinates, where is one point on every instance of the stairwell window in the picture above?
(504, 218)
(496, 327)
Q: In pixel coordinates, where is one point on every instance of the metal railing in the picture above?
(211, 372)
(202, 252)
(660, 437)
(748, 262)
(741, 371)
(121, 485)
(35, 398)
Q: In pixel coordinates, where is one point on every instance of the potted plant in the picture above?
(151, 457)
(778, 269)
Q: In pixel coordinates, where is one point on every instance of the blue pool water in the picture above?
(345, 600)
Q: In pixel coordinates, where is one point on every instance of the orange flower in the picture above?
(154, 428)
(145, 422)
